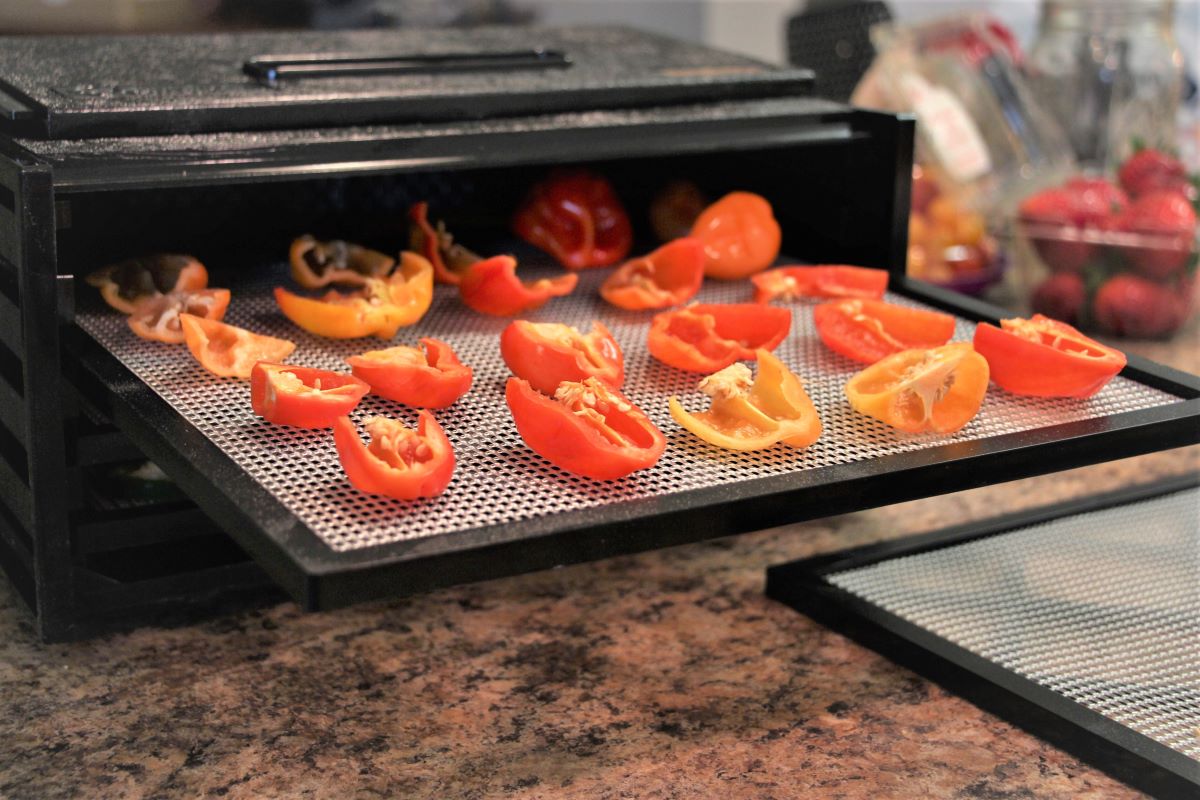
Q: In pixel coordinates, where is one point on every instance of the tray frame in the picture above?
(1120, 752)
(319, 578)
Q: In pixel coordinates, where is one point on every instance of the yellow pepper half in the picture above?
(380, 308)
(752, 413)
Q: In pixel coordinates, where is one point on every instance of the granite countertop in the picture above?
(662, 675)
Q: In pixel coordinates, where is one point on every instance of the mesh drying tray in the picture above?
(289, 480)
(1089, 610)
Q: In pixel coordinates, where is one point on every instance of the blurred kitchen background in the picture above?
(1058, 140)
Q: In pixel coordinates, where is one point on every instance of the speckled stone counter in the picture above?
(664, 675)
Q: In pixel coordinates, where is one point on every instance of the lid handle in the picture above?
(271, 69)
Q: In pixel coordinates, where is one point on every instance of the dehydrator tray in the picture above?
(1079, 622)
(282, 494)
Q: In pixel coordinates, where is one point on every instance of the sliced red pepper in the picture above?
(670, 275)
(587, 428)
(1043, 357)
(449, 260)
(157, 317)
(575, 216)
(492, 287)
(740, 236)
(752, 413)
(229, 351)
(868, 330)
(830, 280)
(548, 353)
(434, 378)
(935, 390)
(122, 285)
(399, 462)
(303, 397)
(379, 309)
(708, 337)
(316, 264)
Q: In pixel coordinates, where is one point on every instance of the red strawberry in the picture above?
(1167, 222)
(1151, 170)
(1050, 221)
(1131, 306)
(1096, 201)
(1060, 296)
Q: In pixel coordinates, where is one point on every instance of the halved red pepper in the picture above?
(379, 309)
(753, 413)
(587, 428)
(449, 260)
(316, 264)
(575, 216)
(492, 287)
(707, 337)
(123, 284)
(229, 351)
(868, 330)
(670, 275)
(1043, 357)
(740, 236)
(548, 353)
(434, 378)
(157, 317)
(828, 280)
(399, 462)
(301, 396)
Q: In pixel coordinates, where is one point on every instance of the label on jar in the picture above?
(949, 129)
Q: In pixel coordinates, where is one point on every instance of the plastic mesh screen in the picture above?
(1102, 608)
(498, 479)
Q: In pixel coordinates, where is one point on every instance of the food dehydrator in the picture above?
(228, 146)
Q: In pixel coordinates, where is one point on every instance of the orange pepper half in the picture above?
(935, 390)
(379, 309)
(752, 414)
(230, 351)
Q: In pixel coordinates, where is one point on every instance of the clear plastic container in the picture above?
(1095, 257)
(1111, 72)
(978, 122)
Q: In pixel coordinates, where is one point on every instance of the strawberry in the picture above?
(1128, 305)
(1152, 170)
(1052, 221)
(1168, 222)
(1060, 296)
(1097, 201)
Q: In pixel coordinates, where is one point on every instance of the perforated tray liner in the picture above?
(498, 480)
(1102, 608)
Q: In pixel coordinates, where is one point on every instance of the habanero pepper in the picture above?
(1042, 357)
(748, 413)
(707, 337)
(492, 287)
(669, 276)
(400, 462)
(575, 216)
(587, 428)
(548, 353)
(434, 378)
(301, 396)
(379, 309)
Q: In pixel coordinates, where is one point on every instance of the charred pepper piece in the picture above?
(124, 284)
(316, 264)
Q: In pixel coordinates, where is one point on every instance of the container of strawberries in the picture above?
(1116, 256)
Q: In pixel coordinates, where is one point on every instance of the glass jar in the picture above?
(1111, 72)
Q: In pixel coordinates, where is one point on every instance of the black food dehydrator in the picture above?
(229, 146)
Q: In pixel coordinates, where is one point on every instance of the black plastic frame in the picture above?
(1121, 752)
(320, 578)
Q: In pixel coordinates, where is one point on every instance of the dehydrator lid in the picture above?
(65, 87)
